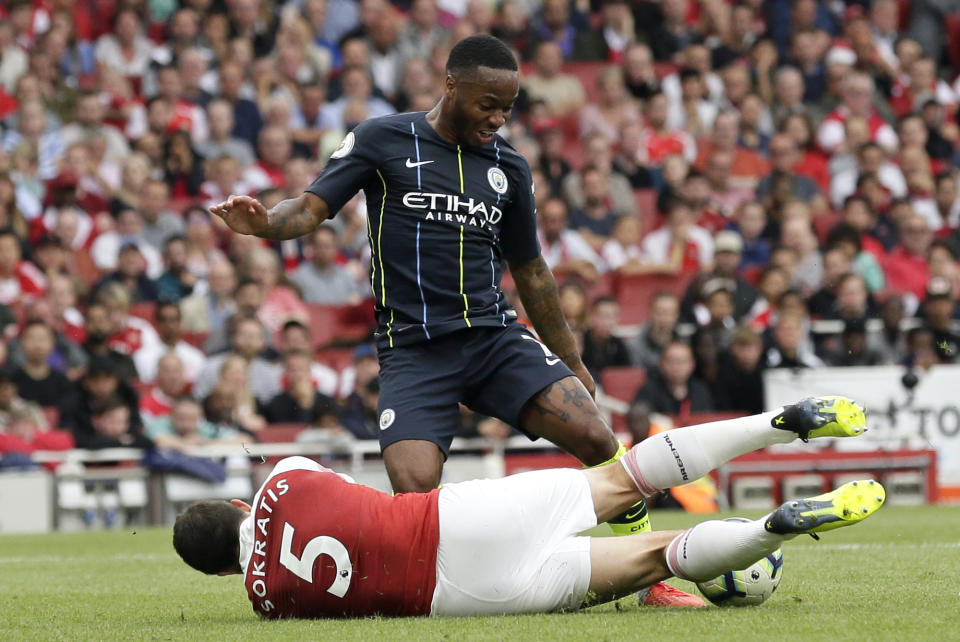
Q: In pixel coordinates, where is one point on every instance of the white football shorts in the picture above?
(510, 545)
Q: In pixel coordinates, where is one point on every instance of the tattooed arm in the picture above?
(538, 292)
(286, 220)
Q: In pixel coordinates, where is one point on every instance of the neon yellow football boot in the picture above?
(847, 505)
(822, 417)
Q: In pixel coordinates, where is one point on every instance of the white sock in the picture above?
(712, 548)
(680, 456)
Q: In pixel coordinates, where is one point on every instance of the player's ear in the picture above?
(242, 505)
(450, 85)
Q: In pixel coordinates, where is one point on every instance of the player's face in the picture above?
(482, 102)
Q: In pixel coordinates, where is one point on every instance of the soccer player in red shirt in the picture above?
(314, 544)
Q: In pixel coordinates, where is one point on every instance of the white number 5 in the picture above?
(302, 566)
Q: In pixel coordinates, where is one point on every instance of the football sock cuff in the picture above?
(714, 547)
(621, 451)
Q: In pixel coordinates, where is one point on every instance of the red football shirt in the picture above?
(324, 547)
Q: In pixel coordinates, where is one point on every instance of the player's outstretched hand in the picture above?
(243, 214)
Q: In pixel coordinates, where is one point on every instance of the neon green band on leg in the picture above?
(621, 451)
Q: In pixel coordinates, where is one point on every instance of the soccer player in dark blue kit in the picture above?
(448, 202)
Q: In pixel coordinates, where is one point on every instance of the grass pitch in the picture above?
(894, 577)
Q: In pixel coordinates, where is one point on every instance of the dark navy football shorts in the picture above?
(493, 371)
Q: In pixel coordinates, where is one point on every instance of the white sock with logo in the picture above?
(680, 456)
(712, 548)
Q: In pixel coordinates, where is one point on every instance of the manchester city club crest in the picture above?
(386, 418)
(497, 180)
(345, 147)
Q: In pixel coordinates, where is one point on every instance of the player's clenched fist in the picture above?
(243, 214)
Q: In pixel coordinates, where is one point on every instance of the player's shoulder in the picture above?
(389, 123)
(509, 156)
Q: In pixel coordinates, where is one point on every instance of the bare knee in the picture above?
(413, 479)
(413, 466)
(595, 444)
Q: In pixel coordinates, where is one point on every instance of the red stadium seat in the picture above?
(336, 358)
(603, 286)
(635, 291)
(587, 73)
(622, 383)
(903, 16)
(84, 267)
(664, 69)
(752, 274)
(196, 339)
(647, 212)
(337, 325)
(145, 310)
(279, 433)
(952, 23)
(823, 223)
(694, 418)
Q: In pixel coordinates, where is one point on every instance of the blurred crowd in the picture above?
(771, 163)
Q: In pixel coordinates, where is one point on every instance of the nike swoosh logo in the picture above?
(551, 362)
(411, 164)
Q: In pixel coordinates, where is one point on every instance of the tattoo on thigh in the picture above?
(574, 394)
(546, 408)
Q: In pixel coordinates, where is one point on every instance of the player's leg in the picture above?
(420, 387)
(530, 388)
(413, 465)
(527, 387)
(564, 413)
(624, 565)
(507, 545)
(680, 456)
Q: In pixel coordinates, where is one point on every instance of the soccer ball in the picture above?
(749, 587)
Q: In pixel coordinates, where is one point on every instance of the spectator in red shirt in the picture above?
(659, 141)
(857, 100)
(169, 384)
(274, 148)
(748, 166)
(906, 266)
(19, 279)
(24, 434)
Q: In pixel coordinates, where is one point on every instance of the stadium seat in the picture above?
(622, 383)
(752, 274)
(338, 325)
(823, 223)
(694, 418)
(603, 286)
(196, 339)
(279, 433)
(336, 358)
(664, 69)
(144, 310)
(587, 73)
(952, 23)
(634, 292)
(85, 269)
(649, 215)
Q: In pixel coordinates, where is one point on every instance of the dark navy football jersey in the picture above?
(441, 219)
